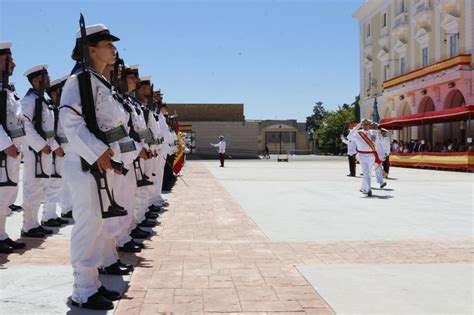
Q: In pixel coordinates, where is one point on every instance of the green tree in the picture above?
(313, 122)
(333, 125)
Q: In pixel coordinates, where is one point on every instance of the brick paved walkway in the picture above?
(209, 257)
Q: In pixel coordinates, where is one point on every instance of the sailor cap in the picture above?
(5, 48)
(96, 33)
(146, 79)
(58, 82)
(36, 70)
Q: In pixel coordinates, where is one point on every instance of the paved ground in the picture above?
(262, 237)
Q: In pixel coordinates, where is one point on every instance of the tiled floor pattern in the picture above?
(209, 257)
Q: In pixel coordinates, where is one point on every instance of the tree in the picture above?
(333, 125)
(313, 122)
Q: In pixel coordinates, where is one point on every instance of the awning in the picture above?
(435, 117)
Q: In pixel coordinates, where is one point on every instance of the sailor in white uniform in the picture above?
(11, 134)
(94, 145)
(38, 146)
(365, 140)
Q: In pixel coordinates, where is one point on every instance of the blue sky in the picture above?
(276, 57)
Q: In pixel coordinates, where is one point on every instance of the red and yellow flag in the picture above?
(179, 159)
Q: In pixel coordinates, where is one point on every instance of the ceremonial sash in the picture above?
(371, 145)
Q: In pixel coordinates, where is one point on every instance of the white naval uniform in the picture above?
(13, 124)
(34, 188)
(382, 155)
(126, 187)
(87, 239)
(56, 188)
(158, 200)
(365, 158)
(145, 194)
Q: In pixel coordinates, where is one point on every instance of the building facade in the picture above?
(204, 123)
(416, 57)
(283, 136)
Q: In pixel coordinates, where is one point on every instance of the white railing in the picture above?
(401, 19)
(422, 6)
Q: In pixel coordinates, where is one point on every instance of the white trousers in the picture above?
(8, 193)
(53, 189)
(378, 173)
(367, 163)
(87, 240)
(34, 189)
(161, 161)
(125, 196)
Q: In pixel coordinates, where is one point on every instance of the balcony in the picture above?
(401, 21)
(456, 61)
(422, 7)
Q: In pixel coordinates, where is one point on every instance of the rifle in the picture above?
(37, 122)
(88, 109)
(3, 122)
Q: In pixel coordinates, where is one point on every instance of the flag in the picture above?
(375, 115)
(179, 159)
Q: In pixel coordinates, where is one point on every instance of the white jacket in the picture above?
(14, 121)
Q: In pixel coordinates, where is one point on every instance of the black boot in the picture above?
(114, 269)
(15, 208)
(13, 244)
(154, 208)
(130, 247)
(141, 245)
(139, 233)
(151, 215)
(95, 302)
(124, 265)
(44, 231)
(67, 215)
(5, 248)
(109, 294)
(147, 223)
(51, 223)
(61, 221)
(33, 233)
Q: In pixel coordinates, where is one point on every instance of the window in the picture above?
(424, 56)
(401, 6)
(402, 65)
(453, 45)
(384, 20)
(385, 72)
(368, 30)
(369, 83)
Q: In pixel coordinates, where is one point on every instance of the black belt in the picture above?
(115, 134)
(144, 134)
(62, 140)
(49, 134)
(127, 147)
(20, 132)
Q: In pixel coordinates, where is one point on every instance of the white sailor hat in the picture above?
(366, 121)
(5, 48)
(383, 129)
(146, 79)
(133, 69)
(35, 71)
(58, 82)
(96, 33)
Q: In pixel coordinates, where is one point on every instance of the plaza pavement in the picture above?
(261, 237)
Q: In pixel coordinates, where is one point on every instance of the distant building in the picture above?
(283, 136)
(204, 123)
(416, 57)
